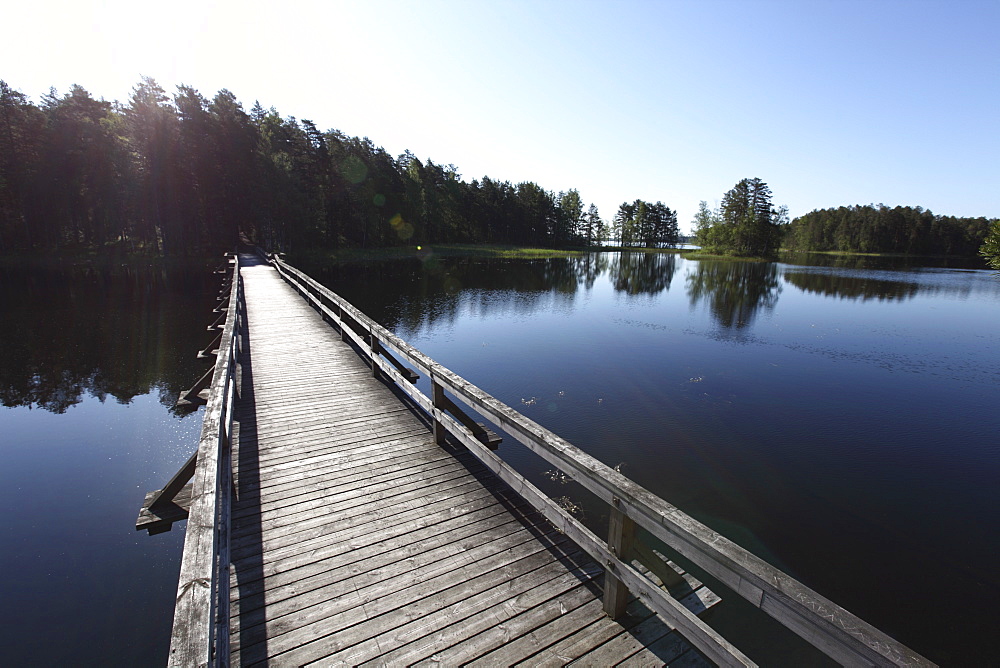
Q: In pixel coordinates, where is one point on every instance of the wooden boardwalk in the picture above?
(338, 515)
(357, 539)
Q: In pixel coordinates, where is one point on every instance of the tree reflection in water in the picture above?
(735, 291)
(119, 330)
(832, 284)
(643, 273)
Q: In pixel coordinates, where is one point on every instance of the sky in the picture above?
(831, 102)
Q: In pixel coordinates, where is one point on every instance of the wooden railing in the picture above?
(829, 627)
(200, 633)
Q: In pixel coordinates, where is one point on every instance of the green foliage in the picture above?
(991, 246)
(647, 225)
(880, 229)
(746, 224)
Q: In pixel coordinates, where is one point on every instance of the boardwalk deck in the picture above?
(357, 539)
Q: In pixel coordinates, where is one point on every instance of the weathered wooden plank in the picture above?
(308, 505)
(505, 643)
(334, 454)
(379, 471)
(388, 506)
(573, 616)
(422, 638)
(329, 544)
(308, 635)
(366, 553)
(376, 440)
(321, 535)
(318, 448)
(176, 483)
(671, 649)
(328, 477)
(320, 492)
(404, 566)
(567, 648)
(633, 642)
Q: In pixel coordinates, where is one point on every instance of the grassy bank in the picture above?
(706, 255)
(327, 256)
(101, 255)
(888, 255)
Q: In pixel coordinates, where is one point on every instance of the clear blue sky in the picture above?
(832, 102)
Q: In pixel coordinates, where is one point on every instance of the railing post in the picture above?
(343, 323)
(376, 347)
(439, 401)
(621, 538)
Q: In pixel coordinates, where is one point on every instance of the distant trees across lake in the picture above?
(186, 174)
(881, 229)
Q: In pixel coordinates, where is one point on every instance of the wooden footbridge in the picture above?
(339, 516)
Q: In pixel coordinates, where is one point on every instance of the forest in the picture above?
(880, 229)
(185, 175)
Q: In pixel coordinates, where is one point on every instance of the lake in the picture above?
(835, 416)
(91, 361)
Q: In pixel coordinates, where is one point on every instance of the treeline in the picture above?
(185, 174)
(880, 229)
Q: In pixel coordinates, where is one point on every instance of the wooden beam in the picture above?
(657, 565)
(176, 483)
(197, 395)
(158, 517)
(621, 537)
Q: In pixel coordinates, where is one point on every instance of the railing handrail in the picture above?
(200, 634)
(829, 627)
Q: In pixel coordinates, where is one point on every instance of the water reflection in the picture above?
(851, 287)
(643, 273)
(407, 295)
(888, 262)
(108, 331)
(734, 291)
(891, 286)
(590, 268)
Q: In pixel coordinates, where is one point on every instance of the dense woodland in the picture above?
(185, 174)
(880, 229)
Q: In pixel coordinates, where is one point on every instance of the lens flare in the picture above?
(403, 229)
(354, 170)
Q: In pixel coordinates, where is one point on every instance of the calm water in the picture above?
(839, 421)
(90, 360)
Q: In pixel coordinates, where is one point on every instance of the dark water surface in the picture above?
(90, 360)
(840, 421)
